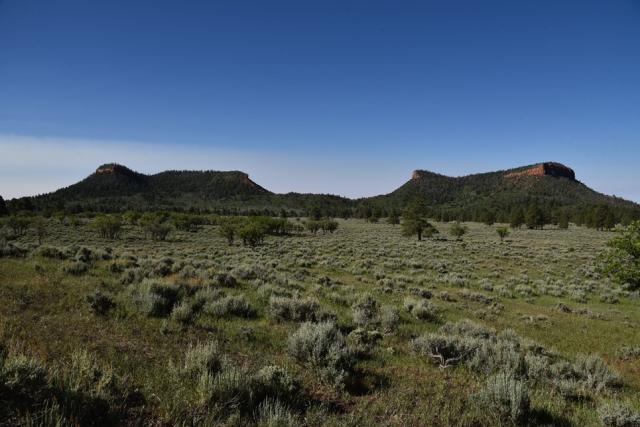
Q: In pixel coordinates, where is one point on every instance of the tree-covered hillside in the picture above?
(3, 207)
(499, 196)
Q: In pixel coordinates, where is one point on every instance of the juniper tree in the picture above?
(517, 218)
(415, 221)
(622, 261)
(108, 227)
(534, 217)
(502, 233)
(394, 218)
(228, 231)
(458, 230)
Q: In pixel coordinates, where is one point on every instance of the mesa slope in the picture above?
(113, 187)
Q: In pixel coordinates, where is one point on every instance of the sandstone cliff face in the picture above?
(416, 175)
(106, 169)
(113, 168)
(545, 169)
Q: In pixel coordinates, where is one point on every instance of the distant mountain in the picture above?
(114, 187)
(550, 184)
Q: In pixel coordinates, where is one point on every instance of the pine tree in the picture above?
(534, 217)
(415, 221)
(458, 230)
(393, 218)
(563, 220)
(517, 218)
(489, 217)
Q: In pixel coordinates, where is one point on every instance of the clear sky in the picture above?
(343, 97)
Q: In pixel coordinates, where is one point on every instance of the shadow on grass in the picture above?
(542, 417)
(365, 382)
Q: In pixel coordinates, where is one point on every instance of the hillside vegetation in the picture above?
(485, 197)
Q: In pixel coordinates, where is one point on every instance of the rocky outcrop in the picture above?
(544, 169)
(113, 168)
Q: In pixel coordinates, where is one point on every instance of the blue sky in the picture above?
(344, 97)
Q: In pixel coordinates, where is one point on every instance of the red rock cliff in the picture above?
(545, 169)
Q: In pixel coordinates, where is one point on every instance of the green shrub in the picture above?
(273, 382)
(297, 310)
(183, 313)
(614, 414)
(596, 374)
(226, 391)
(100, 303)
(10, 250)
(226, 280)
(389, 318)
(421, 309)
(366, 311)
(446, 349)
(321, 345)
(24, 380)
(18, 224)
(230, 306)
(156, 298)
(201, 358)
(622, 261)
(155, 226)
(108, 227)
(468, 329)
(52, 252)
(76, 268)
(629, 352)
(272, 413)
(362, 343)
(506, 398)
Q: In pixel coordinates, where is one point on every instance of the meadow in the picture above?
(357, 327)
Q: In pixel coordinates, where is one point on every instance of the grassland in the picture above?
(542, 286)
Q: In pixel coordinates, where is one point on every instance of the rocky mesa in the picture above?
(544, 169)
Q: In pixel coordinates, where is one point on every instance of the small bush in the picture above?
(322, 345)
(24, 379)
(52, 252)
(10, 250)
(76, 268)
(629, 352)
(445, 349)
(108, 227)
(226, 280)
(156, 298)
(297, 310)
(183, 313)
(366, 311)
(272, 413)
(226, 391)
(469, 329)
(389, 318)
(100, 303)
(362, 343)
(617, 415)
(506, 398)
(201, 358)
(230, 306)
(274, 382)
(596, 374)
(421, 309)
